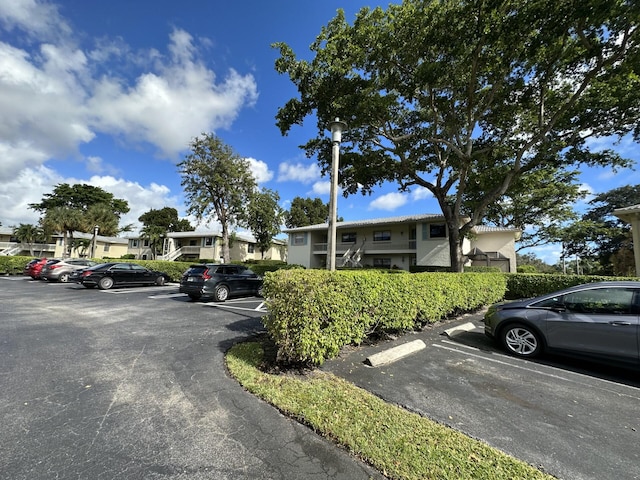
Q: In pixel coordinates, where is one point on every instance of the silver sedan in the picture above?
(597, 319)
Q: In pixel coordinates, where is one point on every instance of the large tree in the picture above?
(218, 183)
(157, 223)
(306, 211)
(264, 217)
(601, 236)
(537, 203)
(439, 94)
(167, 218)
(81, 207)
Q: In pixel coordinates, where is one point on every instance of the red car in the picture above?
(34, 267)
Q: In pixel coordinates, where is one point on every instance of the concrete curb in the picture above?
(395, 353)
(465, 327)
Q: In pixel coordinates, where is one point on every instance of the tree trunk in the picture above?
(226, 257)
(455, 247)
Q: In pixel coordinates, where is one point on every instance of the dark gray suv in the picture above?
(220, 282)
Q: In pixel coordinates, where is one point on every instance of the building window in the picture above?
(193, 243)
(106, 247)
(146, 242)
(298, 239)
(144, 256)
(134, 243)
(251, 248)
(434, 230)
(382, 262)
(437, 230)
(349, 237)
(382, 236)
(208, 241)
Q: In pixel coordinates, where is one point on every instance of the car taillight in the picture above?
(205, 275)
(86, 274)
(51, 267)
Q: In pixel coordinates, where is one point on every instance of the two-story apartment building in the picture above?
(9, 245)
(206, 245)
(400, 242)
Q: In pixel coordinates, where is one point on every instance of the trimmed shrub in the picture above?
(13, 265)
(314, 313)
(527, 285)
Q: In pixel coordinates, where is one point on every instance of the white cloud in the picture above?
(260, 170)
(56, 97)
(322, 188)
(420, 193)
(389, 202)
(298, 172)
(166, 108)
(39, 19)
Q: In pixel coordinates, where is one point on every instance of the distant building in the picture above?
(9, 245)
(206, 245)
(400, 242)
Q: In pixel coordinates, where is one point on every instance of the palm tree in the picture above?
(155, 234)
(66, 221)
(29, 234)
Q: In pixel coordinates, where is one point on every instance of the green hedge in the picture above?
(314, 313)
(526, 285)
(13, 265)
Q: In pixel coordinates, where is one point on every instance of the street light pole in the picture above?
(336, 137)
(93, 241)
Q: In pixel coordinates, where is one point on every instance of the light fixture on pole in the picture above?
(336, 137)
(93, 241)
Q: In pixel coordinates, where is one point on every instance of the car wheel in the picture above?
(221, 293)
(105, 283)
(64, 277)
(521, 340)
(194, 297)
(259, 293)
(160, 281)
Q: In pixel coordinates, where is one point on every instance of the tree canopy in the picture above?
(306, 211)
(80, 207)
(444, 94)
(602, 237)
(218, 184)
(264, 217)
(167, 218)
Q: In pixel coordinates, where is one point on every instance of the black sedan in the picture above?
(596, 320)
(107, 275)
(219, 282)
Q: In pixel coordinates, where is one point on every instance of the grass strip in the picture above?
(400, 444)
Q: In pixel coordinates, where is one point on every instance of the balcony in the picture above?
(370, 247)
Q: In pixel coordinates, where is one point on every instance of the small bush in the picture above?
(523, 285)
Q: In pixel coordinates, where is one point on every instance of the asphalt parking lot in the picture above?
(572, 419)
(130, 383)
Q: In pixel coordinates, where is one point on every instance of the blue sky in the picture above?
(111, 94)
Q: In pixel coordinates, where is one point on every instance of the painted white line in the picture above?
(226, 305)
(550, 375)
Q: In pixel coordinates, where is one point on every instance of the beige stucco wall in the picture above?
(501, 242)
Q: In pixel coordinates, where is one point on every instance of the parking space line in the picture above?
(546, 374)
(260, 308)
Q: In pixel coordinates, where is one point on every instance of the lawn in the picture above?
(399, 443)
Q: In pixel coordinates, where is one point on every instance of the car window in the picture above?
(601, 301)
(121, 266)
(197, 270)
(137, 267)
(247, 273)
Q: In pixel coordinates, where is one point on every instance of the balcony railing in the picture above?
(376, 246)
